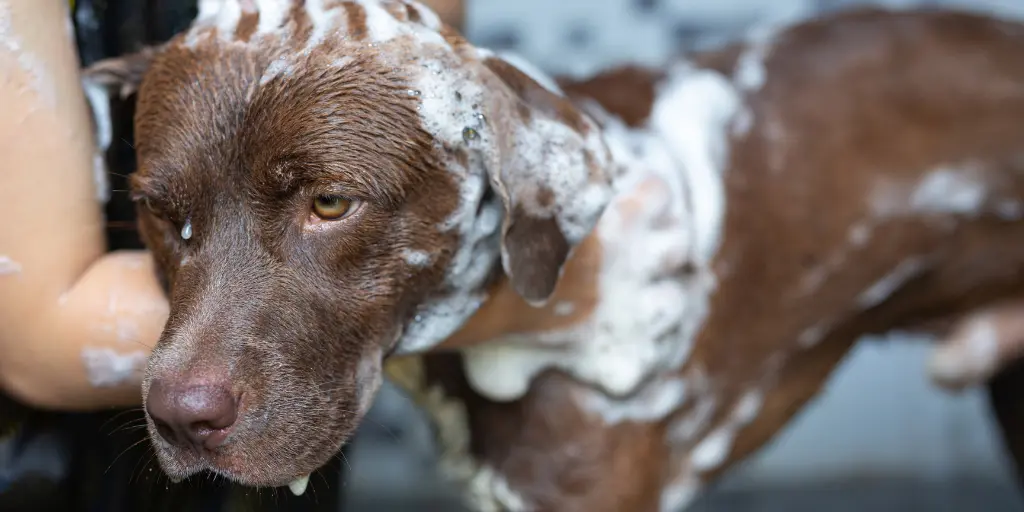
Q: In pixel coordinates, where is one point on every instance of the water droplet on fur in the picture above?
(418, 318)
(469, 134)
(186, 230)
(412, 92)
(481, 118)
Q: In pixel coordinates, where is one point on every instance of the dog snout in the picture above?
(191, 415)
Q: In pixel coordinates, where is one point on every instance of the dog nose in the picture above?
(199, 416)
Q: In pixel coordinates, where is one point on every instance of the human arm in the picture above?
(76, 323)
(71, 316)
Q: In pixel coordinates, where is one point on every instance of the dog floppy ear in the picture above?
(552, 175)
(122, 75)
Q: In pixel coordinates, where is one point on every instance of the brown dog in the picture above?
(626, 284)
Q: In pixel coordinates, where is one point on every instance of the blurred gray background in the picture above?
(879, 438)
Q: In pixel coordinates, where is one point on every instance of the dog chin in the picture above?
(177, 472)
(182, 465)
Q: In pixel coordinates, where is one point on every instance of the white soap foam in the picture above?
(688, 427)
(887, 285)
(107, 367)
(9, 266)
(699, 141)
(714, 449)
(859, 234)
(229, 16)
(98, 97)
(272, 15)
(416, 258)
(459, 110)
(484, 488)
(488, 491)
(678, 495)
(750, 73)
(40, 82)
(653, 402)
(947, 190)
(813, 335)
(968, 359)
(564, 308)
(648, 315)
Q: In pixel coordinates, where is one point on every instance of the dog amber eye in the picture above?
(331, 207)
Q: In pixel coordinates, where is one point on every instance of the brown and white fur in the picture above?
(605, 292)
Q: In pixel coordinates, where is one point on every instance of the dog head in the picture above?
(322, 183)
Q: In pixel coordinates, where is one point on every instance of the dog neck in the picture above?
(505, 313)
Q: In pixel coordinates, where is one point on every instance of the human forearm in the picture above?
(86, 350)
(56, 284)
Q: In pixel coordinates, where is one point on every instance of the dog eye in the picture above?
(332, 207)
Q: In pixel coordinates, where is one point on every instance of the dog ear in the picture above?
(122, 75)
(552, 175)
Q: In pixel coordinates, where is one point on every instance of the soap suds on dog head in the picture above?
(546, 166)
(107, 367)
(9, 266)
